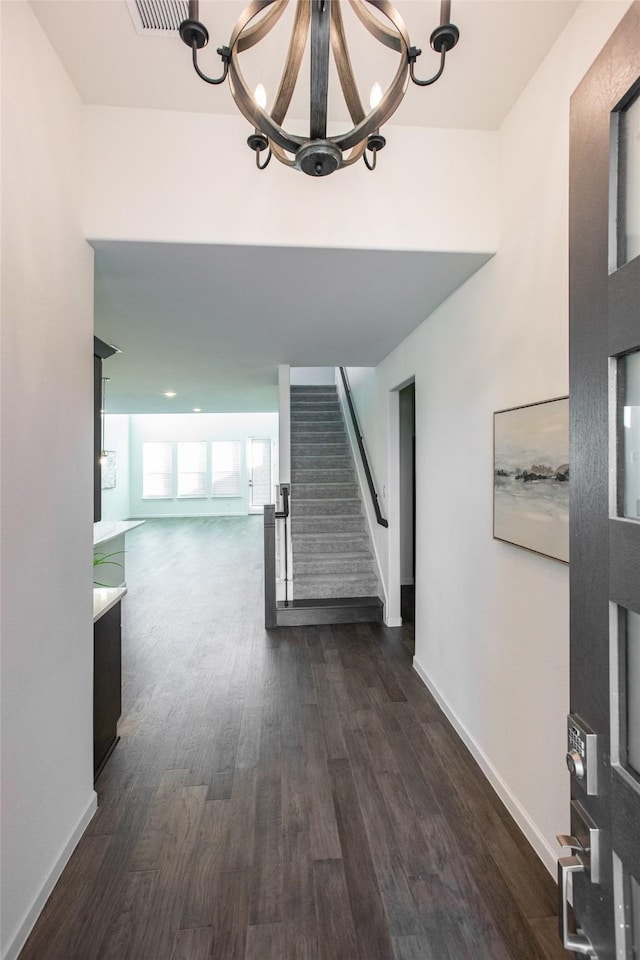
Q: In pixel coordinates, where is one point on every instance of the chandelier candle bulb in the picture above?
(319, 25)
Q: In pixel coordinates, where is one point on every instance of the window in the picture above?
(225, 468)
(192, 468)
(157, 469)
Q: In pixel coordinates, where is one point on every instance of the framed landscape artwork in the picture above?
(531, 477)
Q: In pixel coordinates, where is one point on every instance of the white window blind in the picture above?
(192, 468)
(225, 468)
(157, 469)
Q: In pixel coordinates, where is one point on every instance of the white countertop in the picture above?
(104, 598)
(105, 530)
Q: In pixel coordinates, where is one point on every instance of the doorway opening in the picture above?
(407, 436)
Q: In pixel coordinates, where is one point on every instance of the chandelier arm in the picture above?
(214, 80)
(370, 164)
(436, 76)
(320, 47)
(263, 166)
(279, 153)
(379, 30)
(258, 32)
(343, 65)
(293, 61)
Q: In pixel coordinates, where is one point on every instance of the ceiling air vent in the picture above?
(158, 18)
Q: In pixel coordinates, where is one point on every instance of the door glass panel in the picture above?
(629, 182)
(633, 690)
(635, 917)
(627, 911)
(261, 473)
(630, 369)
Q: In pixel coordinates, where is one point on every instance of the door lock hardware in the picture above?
(582, 757)
(571, 843)
(578, 942)
(575, 763)
(588, 858)
(587, 840)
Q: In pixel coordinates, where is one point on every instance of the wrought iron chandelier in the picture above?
(318, 154)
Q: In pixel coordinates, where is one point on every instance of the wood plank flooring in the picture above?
(291, 795)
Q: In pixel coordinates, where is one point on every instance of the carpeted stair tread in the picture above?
(309, 586)
(330, 475)
(324, 491)
(326, 508)
(302, 425)
(323, 564)
(324, 433)
(330, 542)
(319, 449)
(309, 409)
(306, 524)
(308, 414)
(316, 462)
(300, 391)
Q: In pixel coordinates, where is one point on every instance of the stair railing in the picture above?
(365, 462)
(270, 517)
(284, 515)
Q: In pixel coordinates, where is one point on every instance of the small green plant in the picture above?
(105, 559)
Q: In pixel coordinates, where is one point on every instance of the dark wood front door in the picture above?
(604, 726)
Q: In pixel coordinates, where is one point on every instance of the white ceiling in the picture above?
(185, 316)
(212, 323)
(502, 43)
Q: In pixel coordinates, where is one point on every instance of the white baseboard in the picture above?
(393, 621)
(20, 937)
(513, 805)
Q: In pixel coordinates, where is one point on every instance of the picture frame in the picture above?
(531, 486)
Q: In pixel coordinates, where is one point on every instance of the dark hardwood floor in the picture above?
(295, 795)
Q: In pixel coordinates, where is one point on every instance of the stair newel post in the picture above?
(270, 615)
(284, 491)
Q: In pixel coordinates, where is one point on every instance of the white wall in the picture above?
(492, 620)
(443, 180)
(47, 478)
(201, 426)
(313, 376)
(115, 501)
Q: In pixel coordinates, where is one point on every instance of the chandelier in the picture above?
(318, 154)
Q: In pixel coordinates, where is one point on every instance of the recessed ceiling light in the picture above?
(170, 393)
(197, 409)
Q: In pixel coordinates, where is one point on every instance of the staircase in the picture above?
(334, 576)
